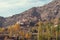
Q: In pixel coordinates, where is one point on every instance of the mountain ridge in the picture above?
(46, 12)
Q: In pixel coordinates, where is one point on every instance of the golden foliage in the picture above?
(21, 33)
(2, 29)
(27, 35)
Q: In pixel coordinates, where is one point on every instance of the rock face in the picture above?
(46, 12)
(2, 20)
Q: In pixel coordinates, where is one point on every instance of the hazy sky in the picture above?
(11, 7)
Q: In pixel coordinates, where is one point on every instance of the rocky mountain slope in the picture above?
(46, 12)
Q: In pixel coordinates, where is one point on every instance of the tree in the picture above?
(27, 35)
(17, 27)
(14, 29)
(2, 29)
(22, 34)
(39, 30)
